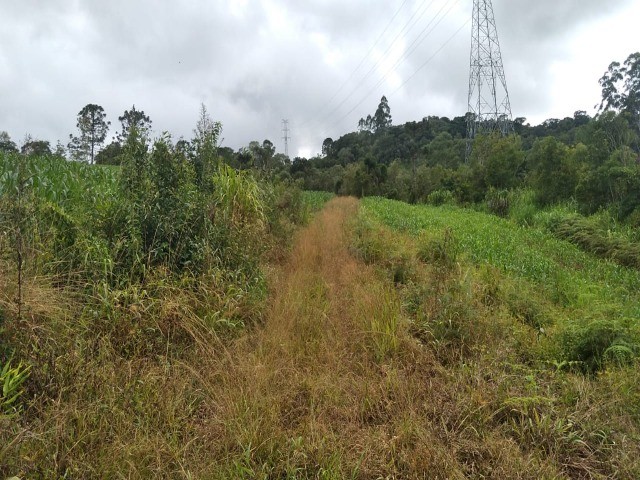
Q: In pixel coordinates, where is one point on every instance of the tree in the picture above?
(134, 119)
(496, 161)
(93, 130)
(608, 133)
(365, 124)
(327, 147)
(60, 151)
(262, 154)
(110, 155)
(205, 145)
(444, 150)
(77, 149)
(621, 88)
(615, 183)
(244, 158)
(554, 174)
(184, 147)
(382, 117)
(269, 148)
(380, 120)
(36, 148)
(6, 144)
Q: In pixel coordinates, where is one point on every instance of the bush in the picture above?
(522, 208)
(440, 197)
(498, 202)
(596, 343)
(441, 250)
(376, 245)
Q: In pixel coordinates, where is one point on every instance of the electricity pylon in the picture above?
(489, 107)
(285, 136)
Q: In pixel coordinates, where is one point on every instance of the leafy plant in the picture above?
(498, 202)
(440, 197)
(596, 342)
(12, 380)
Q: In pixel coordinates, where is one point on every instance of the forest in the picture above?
(400, 306)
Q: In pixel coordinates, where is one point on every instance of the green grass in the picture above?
(529, 253)
(316, 200)
(587, 308)
(540, 339)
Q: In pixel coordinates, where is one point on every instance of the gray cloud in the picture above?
(255, 62)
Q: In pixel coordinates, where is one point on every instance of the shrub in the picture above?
(447, 317)
(440, 197)
(596, 343)
(498, 202)
(522, 207)
(441, 250)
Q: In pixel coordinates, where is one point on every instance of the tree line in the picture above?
(88, 144)
(593, 161)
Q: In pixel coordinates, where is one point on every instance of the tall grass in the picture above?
(130, 277)
(584, 290)
(540, 338)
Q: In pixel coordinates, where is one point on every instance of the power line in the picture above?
(431, 57)
(416, 43)
(368, 53)
(404, 57)
(364, 58)
(409, 24)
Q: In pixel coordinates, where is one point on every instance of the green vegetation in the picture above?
(114, 282)
(590, 163)
(154, 322)
(577, 288)
(316, 200)
(541, 339)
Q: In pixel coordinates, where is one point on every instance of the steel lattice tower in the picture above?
(489, 106)
(286, 137)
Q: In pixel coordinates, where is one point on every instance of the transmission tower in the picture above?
(489, 106)
(285, 136)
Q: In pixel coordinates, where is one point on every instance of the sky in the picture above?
(320, 64)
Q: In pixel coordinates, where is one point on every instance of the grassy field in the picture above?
(390, 341)
(584, 284)
(542, 337)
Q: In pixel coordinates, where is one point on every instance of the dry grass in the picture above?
(332, 384)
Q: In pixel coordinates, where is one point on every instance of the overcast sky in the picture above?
(256, 62)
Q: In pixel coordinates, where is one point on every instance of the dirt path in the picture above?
(334, 386)
(330, 386)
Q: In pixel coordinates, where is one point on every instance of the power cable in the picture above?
(364, 58)
(404, 57)
(409, 25)
(431, 57)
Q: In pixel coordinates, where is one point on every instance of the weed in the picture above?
(498, 202)
(11, 381)
(588, 343)
(382, 308)
(442, 250)
(523, 208)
